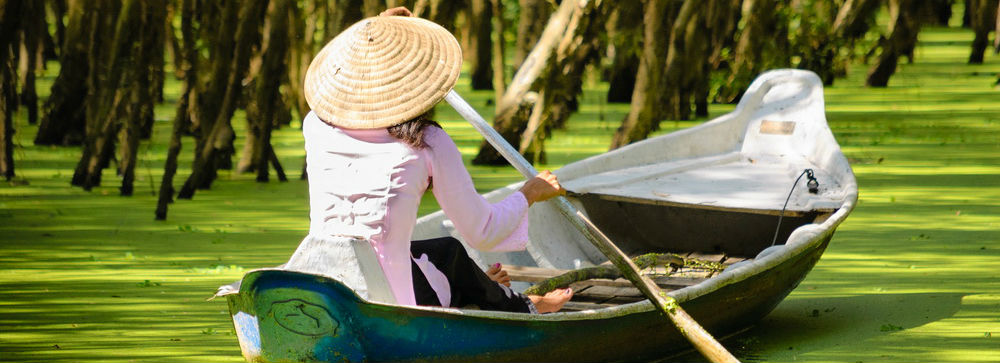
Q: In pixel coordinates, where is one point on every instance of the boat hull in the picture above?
(283, 316)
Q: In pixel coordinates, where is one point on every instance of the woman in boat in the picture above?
(372, 153)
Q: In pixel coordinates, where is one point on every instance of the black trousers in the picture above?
(469, 284)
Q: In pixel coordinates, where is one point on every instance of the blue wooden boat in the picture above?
(713, 193)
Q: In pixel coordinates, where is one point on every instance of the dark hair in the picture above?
(412, 131)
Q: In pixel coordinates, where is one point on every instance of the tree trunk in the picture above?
(59, 9)
(996, 33)
(182, 119)
(148, 69)
(64, 120)
(10, 16)
(480, 55)
(562, 80)
(940, 12)
(760, 46)
(117, 98)
(373, 7)
(903, 29)
(688, 48)
(624, 49)
(34, 29)
(647, 108)
(509, 107)
(983, 20)
(533, 16)
(499, 44)
(267, 101)
(232, 51)
(444, 12)
(721, 23)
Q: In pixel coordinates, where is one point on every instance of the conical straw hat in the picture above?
(382, 71)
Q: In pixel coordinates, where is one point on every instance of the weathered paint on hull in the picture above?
(283, 316)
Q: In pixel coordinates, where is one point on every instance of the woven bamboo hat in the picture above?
(382, 71)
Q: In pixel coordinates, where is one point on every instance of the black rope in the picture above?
(813, 186)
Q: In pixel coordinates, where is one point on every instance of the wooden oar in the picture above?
(690, 329)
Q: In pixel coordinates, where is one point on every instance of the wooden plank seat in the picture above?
(603, 293)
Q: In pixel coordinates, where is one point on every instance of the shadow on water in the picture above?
(799, 326)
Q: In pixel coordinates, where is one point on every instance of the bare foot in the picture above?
(498, 274)
(552, 301)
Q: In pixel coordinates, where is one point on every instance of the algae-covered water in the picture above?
(913, 275)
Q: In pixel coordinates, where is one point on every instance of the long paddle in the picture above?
(690, 329)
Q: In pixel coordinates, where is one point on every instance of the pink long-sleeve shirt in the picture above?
(368, 184)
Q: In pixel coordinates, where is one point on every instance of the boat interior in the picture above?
(694, 245)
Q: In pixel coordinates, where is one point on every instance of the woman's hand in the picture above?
(397, 11)
(498, 274)
(542, 187)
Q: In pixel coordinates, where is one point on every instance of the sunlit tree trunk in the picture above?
(533, 17)
(510, 120)
(562, 81)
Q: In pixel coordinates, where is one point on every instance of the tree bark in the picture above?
(59, 9)
(373, 7)
(111, 86)
(903, 29)
(444, 12)
(647, 105)
(983, 20)
(720, 22)
(499, 44)
(624, 49)
(996, 32)
(480, 55)
(182, 118)
(688, 48)
(506, 121)
(63, 119)
(10, 16)
(562, 80)
(761, 45)
(267, 102)
(530, 27)
(120, 83)
(147, 88)
(33, 30)
(232, 52)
